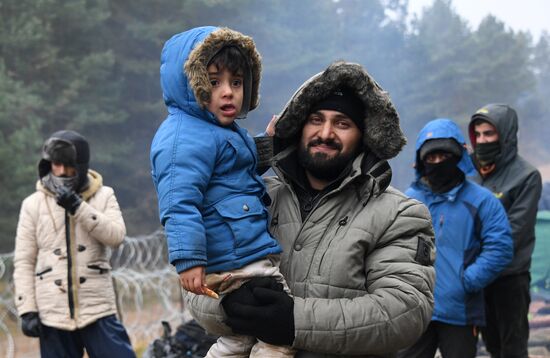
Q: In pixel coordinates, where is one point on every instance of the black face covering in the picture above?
(57, 184)
(444, 175)
(486, 153)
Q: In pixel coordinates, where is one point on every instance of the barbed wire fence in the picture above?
(148, 292)
(147, 287)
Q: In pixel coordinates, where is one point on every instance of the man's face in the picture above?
(330, 140)
(485, 132)
(227, 94)
(62, 170)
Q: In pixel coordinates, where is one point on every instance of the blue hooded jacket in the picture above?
(472, 236)
(210, 197)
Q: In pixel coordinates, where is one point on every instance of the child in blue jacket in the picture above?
(211, 200)
(472, 238)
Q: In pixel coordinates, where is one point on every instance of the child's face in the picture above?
(227, 94)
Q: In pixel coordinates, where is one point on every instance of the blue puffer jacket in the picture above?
(210, 197)
(472, 237)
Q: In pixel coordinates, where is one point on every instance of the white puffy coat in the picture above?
(66, 278)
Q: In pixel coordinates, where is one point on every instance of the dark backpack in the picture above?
(190, 340)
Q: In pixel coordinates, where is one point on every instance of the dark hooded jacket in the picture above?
(514, 181)
(210, 197)
(360, 264)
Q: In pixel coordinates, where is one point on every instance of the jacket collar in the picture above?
(450, 195)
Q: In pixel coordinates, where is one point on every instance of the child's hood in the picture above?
(183, 70)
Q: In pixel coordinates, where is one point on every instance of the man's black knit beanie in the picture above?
(345, 101)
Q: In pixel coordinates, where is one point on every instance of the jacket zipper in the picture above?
(69, 264)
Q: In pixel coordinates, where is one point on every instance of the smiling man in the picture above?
(357, 254)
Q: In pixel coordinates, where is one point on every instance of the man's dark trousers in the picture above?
(451, 340)
(507, 306)
(106, 337)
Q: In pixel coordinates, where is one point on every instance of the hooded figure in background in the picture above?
(63, 284)
(357, 253)
(472, 238)
(517, 184)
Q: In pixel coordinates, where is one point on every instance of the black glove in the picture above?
(30, 324)
(268, 314)
(69, 200)
(243, 295)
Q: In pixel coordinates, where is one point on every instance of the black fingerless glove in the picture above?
(268, 314)
(69, 200)
(30, 324)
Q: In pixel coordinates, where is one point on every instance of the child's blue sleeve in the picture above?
(183, 162)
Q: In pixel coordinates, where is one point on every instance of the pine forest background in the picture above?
(93, 66)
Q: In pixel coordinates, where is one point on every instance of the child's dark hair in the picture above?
(230, 58)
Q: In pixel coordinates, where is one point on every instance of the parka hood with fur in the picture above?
(183, 71)
(382, 134)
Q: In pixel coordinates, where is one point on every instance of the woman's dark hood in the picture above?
(184, 62)
(382, 134)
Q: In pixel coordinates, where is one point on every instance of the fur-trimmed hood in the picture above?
(382, 135)
(183, 70)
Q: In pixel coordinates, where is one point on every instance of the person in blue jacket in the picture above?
(472, 237)
(211, 199)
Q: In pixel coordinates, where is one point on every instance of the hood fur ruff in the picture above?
(382, 135)
(196, 64)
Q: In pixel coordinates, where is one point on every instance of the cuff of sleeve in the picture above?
(183, 265)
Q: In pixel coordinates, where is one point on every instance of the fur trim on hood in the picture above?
(196, 64)
(382, 134)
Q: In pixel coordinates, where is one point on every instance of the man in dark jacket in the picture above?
(493, 133)
(357, 253)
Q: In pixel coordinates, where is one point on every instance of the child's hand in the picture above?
(192, 280)
(270, 130)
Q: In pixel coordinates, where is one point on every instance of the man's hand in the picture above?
(270, 129)
(30, 324)
(192, 280)
(244, 296)
(263, 310)
(69, 200)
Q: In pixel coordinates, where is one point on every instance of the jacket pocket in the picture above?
(43, 271)
(100, 268)
(247, 218)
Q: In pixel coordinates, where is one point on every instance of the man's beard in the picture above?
(320, 165)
